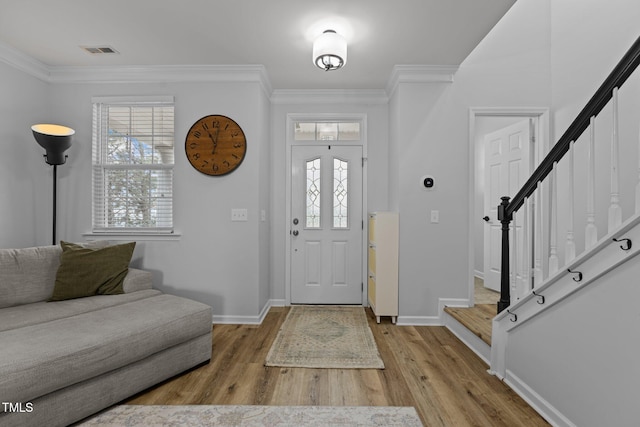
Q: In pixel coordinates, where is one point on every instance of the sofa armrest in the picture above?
(136, 280)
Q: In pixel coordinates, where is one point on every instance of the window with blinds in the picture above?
(133, 159)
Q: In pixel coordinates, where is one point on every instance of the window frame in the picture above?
(100, 167)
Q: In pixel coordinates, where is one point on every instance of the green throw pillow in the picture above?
(88, 271)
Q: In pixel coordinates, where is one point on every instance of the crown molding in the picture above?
(329, 96)
(223, 73)
(135, 74)
(23, 62)
(419, 74)
(162, 74)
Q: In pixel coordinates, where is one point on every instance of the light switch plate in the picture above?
(239, 215)
(435, 217)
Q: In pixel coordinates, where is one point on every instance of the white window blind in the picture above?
(133, 159)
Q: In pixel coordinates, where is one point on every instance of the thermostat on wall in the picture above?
(427, 182)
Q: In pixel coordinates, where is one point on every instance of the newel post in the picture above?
(505, 285)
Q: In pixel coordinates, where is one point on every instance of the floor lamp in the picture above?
(55, 139)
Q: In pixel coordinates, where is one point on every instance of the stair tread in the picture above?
(477, 319)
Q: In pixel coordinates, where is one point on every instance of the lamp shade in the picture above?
(55, 139)
(330, 51)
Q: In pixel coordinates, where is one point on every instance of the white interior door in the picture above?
(326, 224)
(507, 167)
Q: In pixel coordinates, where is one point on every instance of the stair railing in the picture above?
(585, 119)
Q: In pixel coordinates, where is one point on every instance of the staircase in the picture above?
(566, 334)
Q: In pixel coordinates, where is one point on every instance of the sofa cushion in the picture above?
(87, 271)
(27, 275)
(39, 359)
(42, 312)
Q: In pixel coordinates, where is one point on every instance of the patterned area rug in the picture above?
(245, 416)
(325, 337)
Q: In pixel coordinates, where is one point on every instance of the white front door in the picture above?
(326, 224)
(507, 167)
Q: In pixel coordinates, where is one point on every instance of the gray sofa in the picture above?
(65, 360)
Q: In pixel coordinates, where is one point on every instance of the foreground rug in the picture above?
(241, 416)
(325, 337)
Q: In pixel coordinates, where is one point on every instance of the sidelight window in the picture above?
(340, 193)
(313, 194)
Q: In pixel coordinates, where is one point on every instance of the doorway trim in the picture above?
(541, 114)
(290, 142)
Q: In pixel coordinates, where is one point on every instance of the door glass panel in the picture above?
(313, 194)
(349, 131)
(340, 193)
(305, 131)
(327, 131)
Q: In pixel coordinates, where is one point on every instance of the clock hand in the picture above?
(214, 139)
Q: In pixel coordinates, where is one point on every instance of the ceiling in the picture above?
(277, 34)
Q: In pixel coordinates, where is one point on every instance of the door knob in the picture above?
(295, 232)
(486, 218)
(295, 221)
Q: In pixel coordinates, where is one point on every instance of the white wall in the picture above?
(25, 178)
(215, 261)
(429, 122)
(581, 355)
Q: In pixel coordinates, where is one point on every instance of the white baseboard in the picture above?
(478, 274)
(418, 321)
(248, 320)
(235, 320)
(433, 320)
(451, 302)
(543, 407)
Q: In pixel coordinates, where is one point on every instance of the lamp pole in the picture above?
(55, 139)
(55, 198)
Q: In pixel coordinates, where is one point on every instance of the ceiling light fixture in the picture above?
(330, 51)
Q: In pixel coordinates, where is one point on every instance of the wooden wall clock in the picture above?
(215, 145)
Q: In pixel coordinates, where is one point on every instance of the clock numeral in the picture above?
(197, 134)
(234, 134)
(226, 127)
(237, 145)
(235, 156)
(215, 124)
(206, 162)
(215, 167)
(204, 126)
(193, 145)
(227, 164)
(196, 156)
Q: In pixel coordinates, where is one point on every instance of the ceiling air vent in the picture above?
(99, 49)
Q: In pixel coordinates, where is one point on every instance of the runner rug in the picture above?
(325, 337)
(254, 416)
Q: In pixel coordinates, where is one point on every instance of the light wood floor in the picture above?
(426, 367)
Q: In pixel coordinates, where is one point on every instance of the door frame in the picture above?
(290, 142)
(541, 114)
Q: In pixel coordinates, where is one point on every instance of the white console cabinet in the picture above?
(382, 283)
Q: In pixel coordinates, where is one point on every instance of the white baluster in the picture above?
(537, 241)
(514, 262)
(553, 238)
(615, 211)
(638, 184)
(525, 287)
(570, 245)
(591, 231)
